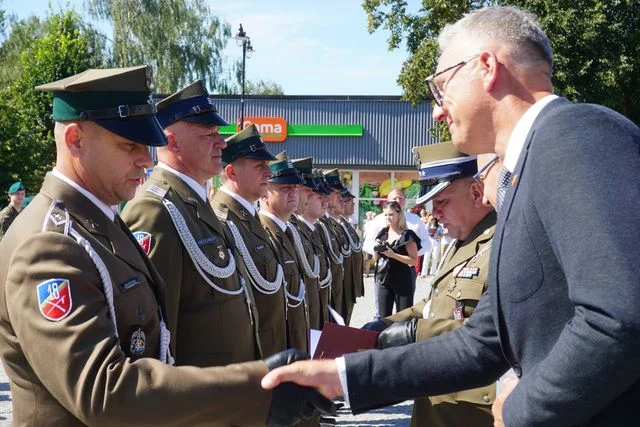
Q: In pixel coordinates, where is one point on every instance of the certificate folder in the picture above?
(337, 340)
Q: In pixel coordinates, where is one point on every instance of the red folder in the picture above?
(337, 340)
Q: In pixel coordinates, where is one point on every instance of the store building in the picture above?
(369, 138)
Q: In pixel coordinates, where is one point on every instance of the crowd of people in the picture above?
(182, 310)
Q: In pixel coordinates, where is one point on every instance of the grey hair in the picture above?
(505, 24)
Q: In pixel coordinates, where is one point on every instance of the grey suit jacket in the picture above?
(564, 293)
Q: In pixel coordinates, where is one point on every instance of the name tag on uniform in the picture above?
(259, 248)
(207, 241)
(468, 272)
(124, 287)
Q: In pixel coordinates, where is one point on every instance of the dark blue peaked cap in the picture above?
(191, 104)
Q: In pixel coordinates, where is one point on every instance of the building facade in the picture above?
(369, 138)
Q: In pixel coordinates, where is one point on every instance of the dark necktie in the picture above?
(503, 183)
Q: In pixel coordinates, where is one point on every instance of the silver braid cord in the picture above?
(355, 246)
(299, 299)
(261, 284)
(308, 271)
(199, 259)
(327, 280)
(107, 285)
(165, 339)
(337, 259)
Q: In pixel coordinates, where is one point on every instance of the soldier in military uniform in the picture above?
(309, 259)
(331, 244)
(308, 226)
(82, 331)
(10, 212)
(344, 296)
(245, 179)
(276, 207)
(209, 309)
(447, 179)
(355, 244)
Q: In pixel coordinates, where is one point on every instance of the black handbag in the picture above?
(382, 270)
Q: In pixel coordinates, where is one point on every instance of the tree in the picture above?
(181, 39)
(62, 47)
(596, 44)
(263, 87)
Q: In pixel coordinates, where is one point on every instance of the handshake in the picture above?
(291, 402)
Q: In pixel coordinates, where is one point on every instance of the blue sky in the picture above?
(309, 47)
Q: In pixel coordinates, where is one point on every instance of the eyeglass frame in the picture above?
(436, 93)
(485, 167)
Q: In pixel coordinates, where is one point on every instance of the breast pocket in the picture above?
(520, 271)
(467, 292)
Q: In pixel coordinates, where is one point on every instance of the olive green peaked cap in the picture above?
(191, 104)
(118, 99)
(248, 144)
(305, 167)
(283, 171)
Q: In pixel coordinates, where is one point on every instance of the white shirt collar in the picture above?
(244, 202)
(278, 221)
(310, 225)
(520, 131)
(199, 189)
(108, 211)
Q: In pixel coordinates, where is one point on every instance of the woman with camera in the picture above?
(396, 252)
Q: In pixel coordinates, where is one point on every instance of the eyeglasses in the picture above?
(436, 93)
(485, 167)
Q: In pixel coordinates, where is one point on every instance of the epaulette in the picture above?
(222, 211)
(57, 218)
(158, 189)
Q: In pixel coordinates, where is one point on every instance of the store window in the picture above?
(374, 186)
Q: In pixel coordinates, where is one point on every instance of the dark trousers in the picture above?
(402, 297)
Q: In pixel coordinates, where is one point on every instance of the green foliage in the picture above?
(596, 44)
(61, 46)
(181, 39)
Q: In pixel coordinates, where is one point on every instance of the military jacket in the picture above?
(65, 349)
(211, 323)
(311, 282)
(336, 261)
(325, 279)
(7, 215)
(271, 304)
(297, 312)
(347, 297)
(357, 287)
(457, 287)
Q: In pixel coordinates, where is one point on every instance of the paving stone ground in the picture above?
(398, 415)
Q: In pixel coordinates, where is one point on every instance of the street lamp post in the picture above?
(243, 40)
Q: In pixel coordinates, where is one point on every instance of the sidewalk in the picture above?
(398, 415)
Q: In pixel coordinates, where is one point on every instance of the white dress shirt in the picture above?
(199, 189)
(108, 211)
(413, 223)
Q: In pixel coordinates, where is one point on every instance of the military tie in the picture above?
(503, 183)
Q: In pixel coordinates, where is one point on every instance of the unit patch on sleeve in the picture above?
(54, 299)
(144, 239)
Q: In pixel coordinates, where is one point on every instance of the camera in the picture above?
(380, 246)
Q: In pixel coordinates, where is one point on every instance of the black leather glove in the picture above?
(400, 333)
(376, 325)
(291, 402)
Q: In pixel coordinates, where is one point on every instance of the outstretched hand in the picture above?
(321, 375)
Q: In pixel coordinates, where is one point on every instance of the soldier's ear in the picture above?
(477, 193)
(74, 138)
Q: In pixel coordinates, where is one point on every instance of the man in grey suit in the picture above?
(563, 317)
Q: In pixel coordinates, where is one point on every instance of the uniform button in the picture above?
(141, 315)
(437, 292)
(431, 316)
(458, 294)
(486, 398)
(517, 369)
